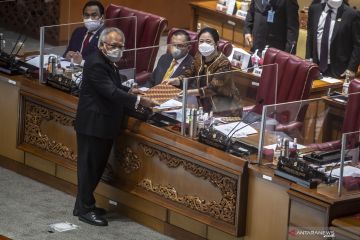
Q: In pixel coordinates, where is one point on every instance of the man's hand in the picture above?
(248, 40)
(147, 102)
(136, 91)
(69, 55)
(77, 58)
(172, 81)
(348, 72)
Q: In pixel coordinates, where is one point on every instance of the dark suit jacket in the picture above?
(102, 99)
(345, 41)
(163, 65)
(77, 38)
(282, 33)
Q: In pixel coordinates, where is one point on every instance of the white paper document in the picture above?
(291, 145)
(349, 171)
(242, 130)
(35, 61)
(62, 227)
(330, 80)
(169, 104)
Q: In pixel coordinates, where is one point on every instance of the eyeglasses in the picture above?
(180, 46)
(115, 45)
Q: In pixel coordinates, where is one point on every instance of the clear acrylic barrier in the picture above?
(348, 169)
(217, 102)
(302, 141)
(70, 38)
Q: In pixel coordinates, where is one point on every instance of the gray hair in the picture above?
(108, 30)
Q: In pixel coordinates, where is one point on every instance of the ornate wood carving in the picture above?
(130, 161)
(34, 116)
(223, 210)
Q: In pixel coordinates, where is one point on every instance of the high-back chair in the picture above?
(223, 45)
(149, 28)
(351, 118)
(293, 79)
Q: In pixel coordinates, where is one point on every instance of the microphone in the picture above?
(233, 131)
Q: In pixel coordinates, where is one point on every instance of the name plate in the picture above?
(257, 72)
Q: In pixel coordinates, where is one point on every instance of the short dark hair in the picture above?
(182, 32)
(95, 3)
(212, 31)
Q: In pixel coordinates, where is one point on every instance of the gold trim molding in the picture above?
(34, 116)
(223, 210)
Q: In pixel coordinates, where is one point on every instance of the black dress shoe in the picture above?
(99, 211)
(93, 218)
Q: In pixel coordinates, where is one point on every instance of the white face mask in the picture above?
(92, 25)
(335, 4)
(206, 49)
(177, 53)
(114, 55)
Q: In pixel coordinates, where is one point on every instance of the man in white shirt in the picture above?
(333, 40)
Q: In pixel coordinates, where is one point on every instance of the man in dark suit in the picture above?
(274, 23)
(333, 40)
(84, 40)
(174, 63)
(98, 119)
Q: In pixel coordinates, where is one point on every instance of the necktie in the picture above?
(86, 41)
(324, 49)
(170, 70)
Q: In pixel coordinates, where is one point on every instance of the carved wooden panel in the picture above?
(223, 210)
(34, 133)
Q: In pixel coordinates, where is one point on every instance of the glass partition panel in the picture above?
(68, 52)
(19, 32)
(302, 140)
(348, 169)
(213, 105)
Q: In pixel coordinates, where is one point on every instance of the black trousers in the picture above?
(93, 154)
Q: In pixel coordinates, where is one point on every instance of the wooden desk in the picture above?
(334, 120)
(347, 227)
(170, 183)
(229, 27)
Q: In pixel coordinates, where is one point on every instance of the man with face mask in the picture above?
(173, 63)
(84, 39)
(98, 119)
(333, 40)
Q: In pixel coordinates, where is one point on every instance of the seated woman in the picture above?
(215, 92)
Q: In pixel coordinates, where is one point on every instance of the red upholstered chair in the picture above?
(224, 46)
(149, 28)
(351, 119)
(289, 79)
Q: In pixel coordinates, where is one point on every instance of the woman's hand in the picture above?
(191, 92)
(172, 81)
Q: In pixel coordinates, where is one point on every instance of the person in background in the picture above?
(84, 39)
(173, 63)
(215, 93)
(274, 23)
(333, 40)
(98, 119)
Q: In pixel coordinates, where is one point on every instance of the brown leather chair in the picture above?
(351, 119)
(223, 45)
(149, 28)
